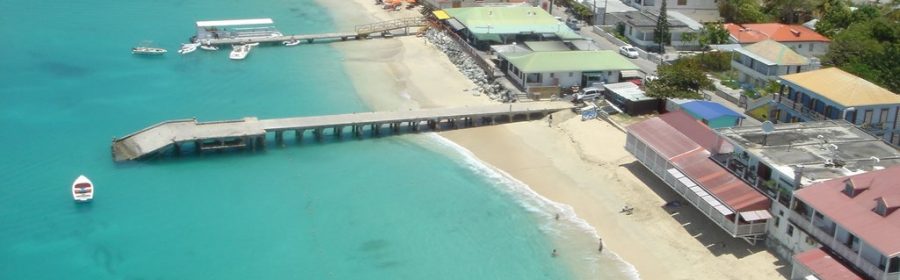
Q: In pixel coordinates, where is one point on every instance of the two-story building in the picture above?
(679, 150)
(792, 156)
(803, 40)
(762, 62)
(854, 219)
(832, 94)
(542, 73)
(485, 26)
(639, 27)
(443, 4)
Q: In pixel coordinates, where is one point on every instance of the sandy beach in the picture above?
(582, 164)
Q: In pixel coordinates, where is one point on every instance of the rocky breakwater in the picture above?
(468, 65)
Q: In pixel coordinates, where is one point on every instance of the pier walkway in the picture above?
(361, 31)
(250, 132)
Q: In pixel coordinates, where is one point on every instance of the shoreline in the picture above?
(581, 165)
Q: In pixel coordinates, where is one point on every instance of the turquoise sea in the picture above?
(408, 207)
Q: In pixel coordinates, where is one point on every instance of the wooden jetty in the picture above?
(361, 31)
(250, 133)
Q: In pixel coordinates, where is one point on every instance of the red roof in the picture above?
(687, 143)
(753, 32)
(856, 213)
(824, 266)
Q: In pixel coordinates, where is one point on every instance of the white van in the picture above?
(588, 94)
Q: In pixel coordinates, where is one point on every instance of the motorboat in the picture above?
(188, 48)
(82, 189)
(291, 43)
(239, 52)
(146, 48)
(207, 47)
(252, 44)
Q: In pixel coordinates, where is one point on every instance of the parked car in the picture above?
(573, 24)
(628, 51)
(588, 94)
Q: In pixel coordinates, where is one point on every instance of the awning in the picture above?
(756, 215)
(455, 24)
(441, 14)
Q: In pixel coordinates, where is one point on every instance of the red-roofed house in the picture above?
(677, 149)
(821, 265)
(801, 39)
(855, 217)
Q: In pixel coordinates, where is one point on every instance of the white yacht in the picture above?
(188, 48)
(145, 48)
(291, 43)
(208, 47)
(239, 52)
(82, 189)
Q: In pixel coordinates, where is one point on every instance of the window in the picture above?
(810, 48)
(895, 139)
(883, 116)
(810, 241)
(867, 118)
(896, 116)
(551, 75)
(571, 74)
(790, 230)
(682, 2)
(880, 208)
(777, 221)
(533, 78)
(894, 265)
(848, 188)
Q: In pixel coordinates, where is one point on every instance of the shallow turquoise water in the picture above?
(389, 208)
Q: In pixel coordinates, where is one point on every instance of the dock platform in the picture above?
(250, 132)
(205, 36)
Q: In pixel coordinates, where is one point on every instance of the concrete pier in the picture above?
(361, 31)
(250, 133)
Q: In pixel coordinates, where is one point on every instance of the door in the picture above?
(867, 119)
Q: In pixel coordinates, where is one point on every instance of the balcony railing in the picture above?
(830, 242)
(811, 114)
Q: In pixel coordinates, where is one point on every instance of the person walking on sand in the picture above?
(601, 245)
(550, 121)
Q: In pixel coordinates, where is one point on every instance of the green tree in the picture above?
(688, 37)
(869, 49)
(713, 34)
(741, 11)
(835, 17)
(682, 79)
(789, 11)
(661, 34)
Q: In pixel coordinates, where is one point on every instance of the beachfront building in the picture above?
(677, 148)
(792, 156)
(542, 74)
(444, 4)
(832, 94)
(712, 114)
(485, 26)
(803, 40)
(855, 220)
(237, 28)
(630, 99)
(762, 62)
(639, 27)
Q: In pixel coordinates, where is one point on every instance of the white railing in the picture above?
(803, 110)
(830, 242)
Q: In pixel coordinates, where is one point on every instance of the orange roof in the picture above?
(755, 32)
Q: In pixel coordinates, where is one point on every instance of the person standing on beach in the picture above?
(554, 254)
(601, 245)
(550, 121)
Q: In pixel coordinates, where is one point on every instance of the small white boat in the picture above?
(291, 43)
(188, 48)
(209, 48)
(252, 44)
(145, 48)
(239, 52)
(82, 189)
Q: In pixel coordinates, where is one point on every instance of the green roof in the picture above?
(570, 61)
(510, 20)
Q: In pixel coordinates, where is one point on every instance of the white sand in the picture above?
(581, 164)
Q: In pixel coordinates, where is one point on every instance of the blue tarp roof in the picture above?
(709, 110)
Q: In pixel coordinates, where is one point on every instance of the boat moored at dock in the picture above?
(240, 52)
